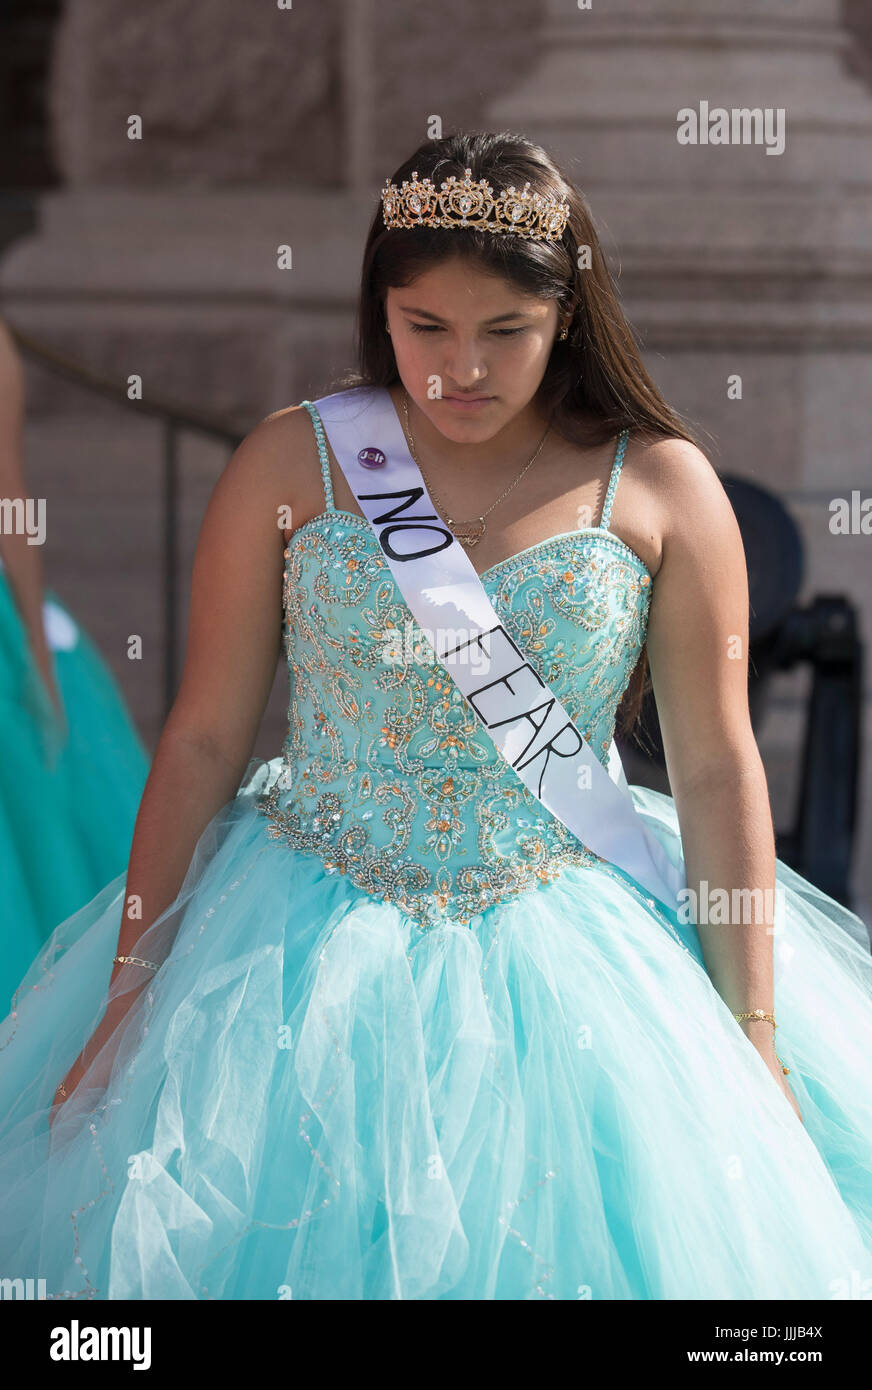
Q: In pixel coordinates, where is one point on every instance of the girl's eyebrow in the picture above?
(499, 318)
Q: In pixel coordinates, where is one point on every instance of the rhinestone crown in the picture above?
(469, 202)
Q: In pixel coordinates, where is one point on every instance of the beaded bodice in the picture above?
(386, 772)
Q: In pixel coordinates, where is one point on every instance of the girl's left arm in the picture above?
(698, 654)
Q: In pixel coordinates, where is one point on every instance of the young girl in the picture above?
(373, 1020)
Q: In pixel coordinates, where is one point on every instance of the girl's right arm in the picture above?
(234, 641)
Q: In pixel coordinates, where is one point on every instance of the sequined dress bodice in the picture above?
(386, 773)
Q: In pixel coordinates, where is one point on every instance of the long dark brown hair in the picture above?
(595, 384)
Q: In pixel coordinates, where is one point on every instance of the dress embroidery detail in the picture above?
(386, 773)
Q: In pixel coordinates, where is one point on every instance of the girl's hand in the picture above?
(95, 1060)
(766, 1048)
(67, 1086)
(781, 1081)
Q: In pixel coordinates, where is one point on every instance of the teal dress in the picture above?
(68, 797)
(411, 1040)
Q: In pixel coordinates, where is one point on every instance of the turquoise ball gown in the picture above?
(68, 797)
(409, 1039)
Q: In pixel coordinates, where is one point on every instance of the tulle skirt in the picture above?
(68, 795)
(314, 1099)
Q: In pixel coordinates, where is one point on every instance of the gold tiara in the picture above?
(470, 203)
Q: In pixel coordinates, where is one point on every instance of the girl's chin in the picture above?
(466, 431)
(451, 417)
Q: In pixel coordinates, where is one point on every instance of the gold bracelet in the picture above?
(136, 960)
(764, 1018)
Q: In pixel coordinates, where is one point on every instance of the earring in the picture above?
(563, 334)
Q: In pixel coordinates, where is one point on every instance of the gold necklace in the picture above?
(469, 533)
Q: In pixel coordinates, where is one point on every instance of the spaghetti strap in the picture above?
(330, 505)
(613, 480)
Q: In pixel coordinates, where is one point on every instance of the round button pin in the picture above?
(371, 457)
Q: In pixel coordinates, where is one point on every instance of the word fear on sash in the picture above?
(527, 704)
(524, 719)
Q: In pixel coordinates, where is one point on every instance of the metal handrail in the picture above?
(175, 417)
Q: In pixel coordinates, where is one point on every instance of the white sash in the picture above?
(521, 715)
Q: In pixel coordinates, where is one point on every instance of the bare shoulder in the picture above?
(283, 442)
(675, 470)
(673, 484)
(277, 466)
(689, 509)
